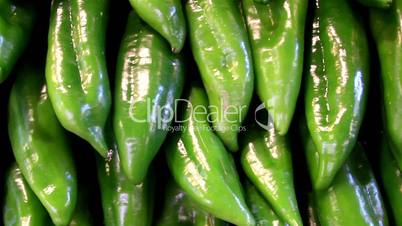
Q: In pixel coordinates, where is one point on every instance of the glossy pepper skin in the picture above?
(40, 146)
(386, 27)
(376, 3)
(391, 177)
(76, 71)
(166, 17)
(221, 50)
(16, 23)
(203, 168)
(354, 197)
(22, 207)
(336, 89)
(180, 210)
(276, 32)
(149, 79)
(123, 202)
(266, 160)
(262, 211)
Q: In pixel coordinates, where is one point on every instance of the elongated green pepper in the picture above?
(180, 210)
(22, 207)
(123, 202)
(391, 177)
(266, 160)
(76, 71)
(276, 32)
(40, 146)
(262, 211)
(149, 79)
(203, 168)
(336, 87)
(376, 3)
(386, 26)
(221, 50)
(16, 22)
(354, 197)
(166, 17)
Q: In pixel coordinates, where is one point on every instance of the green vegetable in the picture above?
(386, 26)
(276, 32)
(392, 181)
(149, 79)
(221, 50)
(266, 160)
(40, 146)
(123, 202)
(180, 210)
(336, 89)
(17, 19)
(22, 207)
(76, 71)
(203, 168)
(166, 17)
(354, 197)
(262, 211)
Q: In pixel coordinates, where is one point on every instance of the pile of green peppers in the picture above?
(228, 112)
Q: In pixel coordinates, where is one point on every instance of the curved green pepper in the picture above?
(149, 79)
(22, 207)
(338, 67)
(376, 3)
(76, 71)
(166, 17)
(262, 211)
(180, 210)
(392, 181)
(354, 197)
(266, 160)
(221, 50)
(123, 202)
(203, 168)
(276, 32)
(386, 26)
(16, 23)
(41, 147)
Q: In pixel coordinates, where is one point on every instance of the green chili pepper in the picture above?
(354, 197)
(336, 90)
(166, 17)
(76, 71)
(21, 206)
(392, 181)
(123, 202)
(203, 168)
(41, 147)
(262, 211)
(149, 79)
(180, 210)
(276, 32)
(221, 50)
(386, 27)
(376, 3)
(16, 22)
(266, 160)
